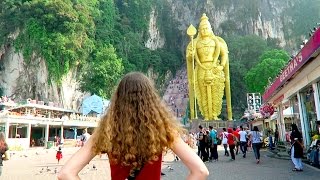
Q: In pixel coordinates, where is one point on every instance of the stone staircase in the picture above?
(176, 95)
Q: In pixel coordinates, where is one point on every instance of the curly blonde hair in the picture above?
(137, 127)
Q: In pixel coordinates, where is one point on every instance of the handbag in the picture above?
(219, 141)
(289, 150)
(6, 156)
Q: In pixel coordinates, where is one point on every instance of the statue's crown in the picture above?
(204, 17)
(204, 20)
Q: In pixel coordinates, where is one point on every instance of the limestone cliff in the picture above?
(21, 80)
(155, 40)
(264, 18)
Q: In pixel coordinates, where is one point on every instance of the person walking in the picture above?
(276, 137)
(255, 138)
(85, 137)
(237, 143)
(136, 114)
(203, 144)
(231, 143)
(249, 144)
(198, 143)
(214, 144)
(59, 154)
(224, 137)
(296, 148)
(270, 140)
(3, 149)
(243, 141)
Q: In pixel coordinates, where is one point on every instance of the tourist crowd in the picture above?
(233, 140)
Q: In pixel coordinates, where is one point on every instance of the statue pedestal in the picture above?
(216, 124)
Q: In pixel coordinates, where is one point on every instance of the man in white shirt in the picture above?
(243, 141)
(224, 137)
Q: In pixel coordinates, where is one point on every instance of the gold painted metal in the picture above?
(208, 72)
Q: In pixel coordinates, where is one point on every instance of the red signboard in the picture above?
(294, 65)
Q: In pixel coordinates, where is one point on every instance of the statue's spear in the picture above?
(191, 31)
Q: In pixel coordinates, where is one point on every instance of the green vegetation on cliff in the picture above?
(78, 33)
(59, 31)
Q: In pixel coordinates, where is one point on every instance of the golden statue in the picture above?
(208, 72)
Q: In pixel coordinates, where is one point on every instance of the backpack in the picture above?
(205, 138)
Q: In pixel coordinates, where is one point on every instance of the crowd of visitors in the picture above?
(233, 140)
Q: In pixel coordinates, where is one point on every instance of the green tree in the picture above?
(271, 62)
(246, 49)
(136, 13)
(238, 89)
(243, 54)
(105, 22)
(101, 75)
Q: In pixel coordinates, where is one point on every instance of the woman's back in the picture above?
(136, 114)
(148, 171)
(256, 135)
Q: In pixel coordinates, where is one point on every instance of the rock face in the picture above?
(263, 18)
(154, 41)
(21, 80)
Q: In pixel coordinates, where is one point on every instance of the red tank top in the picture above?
(149, 171)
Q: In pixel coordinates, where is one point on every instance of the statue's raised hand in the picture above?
(191, 52)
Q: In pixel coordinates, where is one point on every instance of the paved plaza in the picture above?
(40, 164)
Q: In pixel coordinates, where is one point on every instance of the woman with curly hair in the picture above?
(135, 131)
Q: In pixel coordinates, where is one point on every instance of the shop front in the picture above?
(295, 93)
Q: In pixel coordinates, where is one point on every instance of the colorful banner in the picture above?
(295, 64)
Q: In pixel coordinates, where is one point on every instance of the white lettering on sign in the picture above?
(291, 67)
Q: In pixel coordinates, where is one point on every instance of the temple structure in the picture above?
(31, 123)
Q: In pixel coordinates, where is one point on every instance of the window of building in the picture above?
(310, 109)
(18, 131)
(294, 104)
(291, 114)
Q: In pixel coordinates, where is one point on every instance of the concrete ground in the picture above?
(40, 164)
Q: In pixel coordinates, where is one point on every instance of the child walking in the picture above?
(59, 154)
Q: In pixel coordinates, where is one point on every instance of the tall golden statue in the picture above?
(208, 72)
